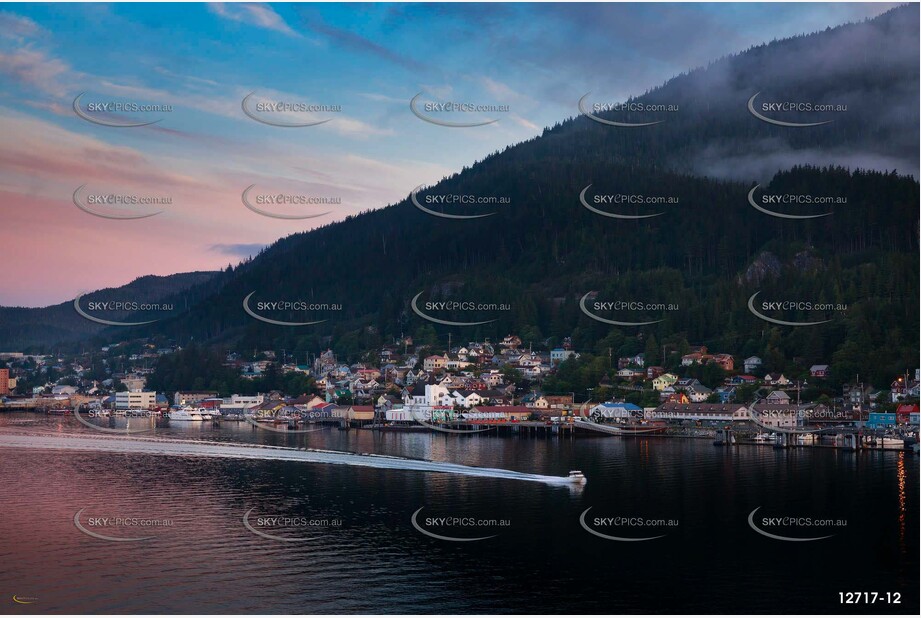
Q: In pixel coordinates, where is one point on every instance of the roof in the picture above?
(520, 409)
(700, 408)
(622, 406)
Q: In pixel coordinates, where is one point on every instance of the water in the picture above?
(365, 555)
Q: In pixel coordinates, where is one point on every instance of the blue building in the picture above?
(881, 420)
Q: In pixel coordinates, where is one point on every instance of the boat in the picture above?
(890, 442)
(807, 438)
(185, 414)
(576, 476)
(60, 411)
(763, 438)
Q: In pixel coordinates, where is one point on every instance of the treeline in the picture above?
(204, 368)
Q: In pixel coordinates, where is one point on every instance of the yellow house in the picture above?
(664, 381)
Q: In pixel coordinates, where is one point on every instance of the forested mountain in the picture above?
(26, 327)
(707, 254)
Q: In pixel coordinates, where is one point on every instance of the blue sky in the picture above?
(369, 60)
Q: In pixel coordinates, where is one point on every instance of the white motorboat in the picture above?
(576, 476)
(186, 414)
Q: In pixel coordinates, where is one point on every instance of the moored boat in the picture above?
(185, 414)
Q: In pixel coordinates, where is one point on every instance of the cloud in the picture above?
(17, 27)
(261, 15)
(357, 43)
(34, 68)
(238, 250)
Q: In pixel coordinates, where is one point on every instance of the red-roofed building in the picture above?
(907, 414)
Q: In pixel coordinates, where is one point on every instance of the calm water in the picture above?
(365, 555)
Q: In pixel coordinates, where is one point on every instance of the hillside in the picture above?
(707, 254)
(26, 327)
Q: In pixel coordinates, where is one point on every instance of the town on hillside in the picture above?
(477, 383)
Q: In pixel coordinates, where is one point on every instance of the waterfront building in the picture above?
(135, 400)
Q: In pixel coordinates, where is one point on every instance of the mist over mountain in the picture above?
(707, 253)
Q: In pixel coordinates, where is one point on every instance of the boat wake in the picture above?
(197, 448)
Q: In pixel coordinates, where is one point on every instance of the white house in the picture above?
(752, 364)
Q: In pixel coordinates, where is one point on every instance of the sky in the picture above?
(362, 63)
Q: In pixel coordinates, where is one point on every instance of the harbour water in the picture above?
(353, 539)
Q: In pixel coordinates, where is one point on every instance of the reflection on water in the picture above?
(206, 560)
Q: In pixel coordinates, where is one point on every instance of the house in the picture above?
(553, 402)
(654, 372)
(558, 355)
(726, 393)
(907, 414)
(639, 360)
(725, 361)
(742, 379)
(511, 341)
(752, 364)
(493, 379)
(776, 379)
(819, 371)
(466, 398)
(778, 397)
(434, 363)
(359, 413)
(698, 393)
(663, 381)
